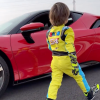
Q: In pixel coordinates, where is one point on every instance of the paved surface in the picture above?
(36, 90)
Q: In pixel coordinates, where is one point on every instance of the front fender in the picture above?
(5, 47)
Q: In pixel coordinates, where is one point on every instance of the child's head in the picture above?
(59, 14)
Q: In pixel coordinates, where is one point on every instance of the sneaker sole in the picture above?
(93, 98)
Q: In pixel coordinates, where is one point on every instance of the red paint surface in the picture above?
(31, 26)
(32, 59)
(5, 46)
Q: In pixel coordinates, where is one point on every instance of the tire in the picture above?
(4, 75)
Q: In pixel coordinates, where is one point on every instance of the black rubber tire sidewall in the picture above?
(6, 75)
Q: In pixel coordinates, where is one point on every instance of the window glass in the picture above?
(8, 26)
(76, 16)
(43, 18)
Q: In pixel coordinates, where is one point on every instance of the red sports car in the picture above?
(24, 54)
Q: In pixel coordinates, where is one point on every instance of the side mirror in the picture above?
(27, 29)
(32, 26)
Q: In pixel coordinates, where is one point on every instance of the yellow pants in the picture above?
(60, 65)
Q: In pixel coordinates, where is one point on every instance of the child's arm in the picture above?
(48, 40)
(48, 44)
(69, 40)
(69, 45)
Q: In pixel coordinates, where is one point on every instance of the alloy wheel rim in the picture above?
(1, 76)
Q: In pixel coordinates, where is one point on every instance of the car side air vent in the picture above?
(96, 24)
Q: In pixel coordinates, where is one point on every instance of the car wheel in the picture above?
(4, 75)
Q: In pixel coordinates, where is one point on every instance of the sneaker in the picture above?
(91, 94)
(49, 99)
(95, 88)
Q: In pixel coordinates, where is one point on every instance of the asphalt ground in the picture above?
(37, 90)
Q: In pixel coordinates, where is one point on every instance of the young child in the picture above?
(60, 39)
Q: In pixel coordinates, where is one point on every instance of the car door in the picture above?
(32, 59)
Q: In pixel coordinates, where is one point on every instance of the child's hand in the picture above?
(75, 70)
(73, 57)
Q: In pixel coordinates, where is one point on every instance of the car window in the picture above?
(44, 18)
(70, 21)
(96, 24)
(76, 16)
(8, 26)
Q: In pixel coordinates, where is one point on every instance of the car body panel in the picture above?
(95, 53)
(5, 47)
(32, 59)
(88, 19)
(78, 25)
(84, 43)
(84, 36)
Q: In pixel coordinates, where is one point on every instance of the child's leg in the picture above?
(66, 67)
(55, 84)
(81, 81)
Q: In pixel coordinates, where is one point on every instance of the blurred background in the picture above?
(10, 9)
